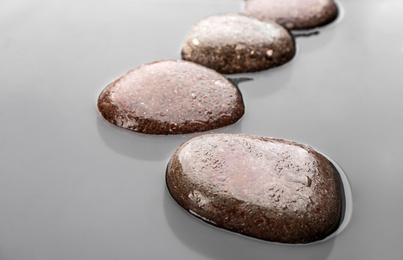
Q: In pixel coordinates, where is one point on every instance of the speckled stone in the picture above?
(266, 188)
(293, 14)
(171, 97)
(235, 43)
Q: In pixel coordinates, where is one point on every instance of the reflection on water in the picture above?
(347, 199)
(222, 244)
(149, 147)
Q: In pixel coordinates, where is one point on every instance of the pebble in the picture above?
(266, 188)
(171, 97)
(293, 14)
(236, 43)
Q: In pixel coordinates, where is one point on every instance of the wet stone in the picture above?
(266, 188)
(171, 97)
(235, 43)
(293, 14)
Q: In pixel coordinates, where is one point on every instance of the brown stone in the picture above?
(293, 14)
(235, 43)
(270, 189)
(171, 97)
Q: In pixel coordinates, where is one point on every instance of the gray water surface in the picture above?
(73, 186)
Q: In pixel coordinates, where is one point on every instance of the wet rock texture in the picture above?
(270, 189)
(171, 97)
(235, 43)
(293, 14)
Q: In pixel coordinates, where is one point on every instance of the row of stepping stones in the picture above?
(266, 188)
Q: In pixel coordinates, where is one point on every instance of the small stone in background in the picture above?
(293, 14)
(235, 43)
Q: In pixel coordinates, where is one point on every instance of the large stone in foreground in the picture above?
(235, 43)
(270, 189)
(293, 14)
(171, 97)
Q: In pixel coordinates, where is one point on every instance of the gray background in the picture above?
(72, 186)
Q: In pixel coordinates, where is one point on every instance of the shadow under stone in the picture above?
(221, 244)
(149, 147)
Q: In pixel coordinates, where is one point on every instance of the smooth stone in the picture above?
(171, 97)
(266, 188)
(235, 43)
(293, 14)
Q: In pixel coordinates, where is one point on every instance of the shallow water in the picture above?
(73, 186)
(347, 201)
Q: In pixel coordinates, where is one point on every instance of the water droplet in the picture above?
(196, 42)
(269, 53)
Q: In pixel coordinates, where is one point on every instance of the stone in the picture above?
(171, 97)
(293, 14)
(266, 188)
(235, 43)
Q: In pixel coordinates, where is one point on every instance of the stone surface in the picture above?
(270, 189)
(171, 97)
(235, 43)
(293, 14)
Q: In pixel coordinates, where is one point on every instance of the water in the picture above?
(75, 187)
